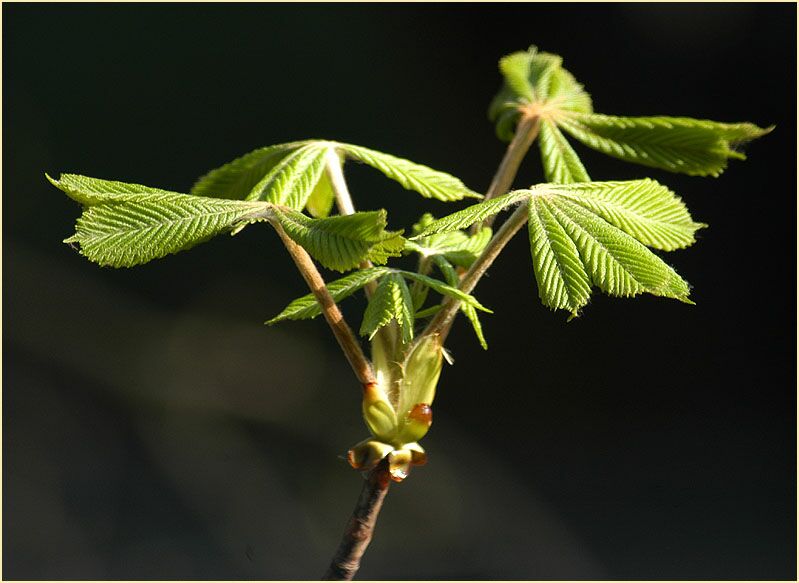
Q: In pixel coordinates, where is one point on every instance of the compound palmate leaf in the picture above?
(536, 84)
(127, 224)
(596, 234)
(573, 248)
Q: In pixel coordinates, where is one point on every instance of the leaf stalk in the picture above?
(330, 310)
(526, 133)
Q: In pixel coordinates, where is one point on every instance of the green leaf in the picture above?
(565, 93)
(444, 289)
(426, 181)
(238, 178)
(123, 225)
(307, 307)
(560, 161)
(472, 214)
(292, 180)
(515, 69)
(573, 248)
(503, 111)
(562, 280)
(451, 277)
(534, 77)
(678, 144)
(467, 252)
(528, 74)
(427, 312)
(322, 197)
(390, 301)
(648, 211)
(342, 242)
(457, 246)
(90, 191)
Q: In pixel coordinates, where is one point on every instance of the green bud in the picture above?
(416, 423)
(379, 414)
(418, 388)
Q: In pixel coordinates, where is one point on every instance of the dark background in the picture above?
(153, 428)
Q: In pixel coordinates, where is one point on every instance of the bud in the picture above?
(418, 389)
(397, 409)
(416, 423)
(367, 454)
(378, 413)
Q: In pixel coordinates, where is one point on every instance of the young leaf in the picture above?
(528, 74)
(457, 246)
(562, 280)
(237, 178)
(678, 144)
(648, 211)
(560, 161)
(451, 277)
(133, 225)
(573, 248)
(390, 301)
(444, 289)
(594, 233)
(473, 214)
(321, 200)
(90, 191)
(466, 253)
(292, 180)
(307, 307)
(534, 77)
(566, 94)
(503, 112)
(426, 181)
(342, 242)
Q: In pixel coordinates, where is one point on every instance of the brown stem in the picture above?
(526, 133)
(341, 330)
(360, 528)
(523, 138)
(386, 335)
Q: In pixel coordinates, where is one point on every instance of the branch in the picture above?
(341, 330)
(361, 526)
(523, 138)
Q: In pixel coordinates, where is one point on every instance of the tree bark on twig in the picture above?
(360, 527)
